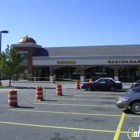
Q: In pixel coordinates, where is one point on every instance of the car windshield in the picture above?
(105, 79)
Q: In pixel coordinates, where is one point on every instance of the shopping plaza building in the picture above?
(121, 62)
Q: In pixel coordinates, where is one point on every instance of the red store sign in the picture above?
(123, 61)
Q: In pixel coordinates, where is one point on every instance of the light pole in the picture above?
(3, 31)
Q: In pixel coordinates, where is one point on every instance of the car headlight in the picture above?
(121, 99)
(129, 91)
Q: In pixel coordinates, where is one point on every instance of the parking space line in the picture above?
(85, 99)
(123, 132)
(76, 105)
(118, 130)
(132, 116)
(56, 127)
(66, 113)
(99, 95)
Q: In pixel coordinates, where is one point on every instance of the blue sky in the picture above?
(55, 23)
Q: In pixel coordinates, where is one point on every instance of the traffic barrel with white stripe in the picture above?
(58, 90)
(39, 93)
(12, 98)
(77, 84)
(53, 80)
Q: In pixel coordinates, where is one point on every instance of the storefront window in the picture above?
(98, 72)
(67, 73)
(41, 73)
(129, 74)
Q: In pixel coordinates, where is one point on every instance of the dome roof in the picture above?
(27, 39)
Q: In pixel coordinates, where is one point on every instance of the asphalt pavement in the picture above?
(77, 115)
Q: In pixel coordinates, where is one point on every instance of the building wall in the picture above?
(83, 62)
(30, 52)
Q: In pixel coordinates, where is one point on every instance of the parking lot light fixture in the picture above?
(1, 32)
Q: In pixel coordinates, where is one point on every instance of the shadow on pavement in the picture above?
(50, 100)
(24, 107)
(127, 111)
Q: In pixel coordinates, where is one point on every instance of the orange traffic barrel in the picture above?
(58, 90)
(12, 98)
(53, 80)
(77, 84)
(90, 80)
(39, 93)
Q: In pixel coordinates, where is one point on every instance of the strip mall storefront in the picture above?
(81, 63)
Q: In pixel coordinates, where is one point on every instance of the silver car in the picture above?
(131, 101)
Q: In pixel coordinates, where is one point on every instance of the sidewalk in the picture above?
(48, 84)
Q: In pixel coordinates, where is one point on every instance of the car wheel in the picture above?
(89, 88)
(135, 108)
(112, 89)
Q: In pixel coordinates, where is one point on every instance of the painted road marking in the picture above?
(109, 100)
(118, 130)
(75, 105)
(57, 127)
(67, 113)
(132, 116)
(74, 113)
(99, 95)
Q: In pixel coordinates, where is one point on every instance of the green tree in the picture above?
(10, 62)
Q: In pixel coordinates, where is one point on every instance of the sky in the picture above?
(62, 23)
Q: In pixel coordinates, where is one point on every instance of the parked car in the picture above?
(136, 83)
(131, 101)
(103, 84)
(134, 90)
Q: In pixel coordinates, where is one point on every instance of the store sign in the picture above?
(66, 62)
(123, 61)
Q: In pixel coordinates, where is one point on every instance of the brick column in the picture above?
(30, 67)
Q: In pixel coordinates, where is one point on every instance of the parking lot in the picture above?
(77, 115)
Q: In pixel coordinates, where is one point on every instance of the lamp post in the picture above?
(1, 32)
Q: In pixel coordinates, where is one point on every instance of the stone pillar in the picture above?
(51, 73)
(82, 77)
(116, 77)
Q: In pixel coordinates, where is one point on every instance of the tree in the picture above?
(10, 62)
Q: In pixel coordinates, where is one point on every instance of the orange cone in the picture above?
(53, 80)
(77, 84)
(12, 98)
(39, 93)
(58, 90)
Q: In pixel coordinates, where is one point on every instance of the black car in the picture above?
(131, 101)
(136, 83)
(133, 90)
